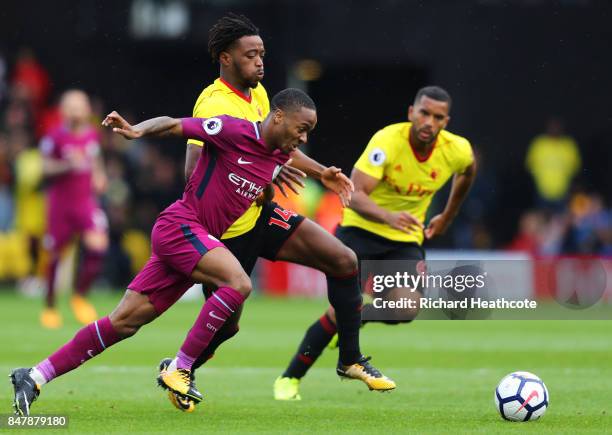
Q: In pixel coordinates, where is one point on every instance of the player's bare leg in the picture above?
(133, 311)
(94, 244)
(217, 268)
(312, 246)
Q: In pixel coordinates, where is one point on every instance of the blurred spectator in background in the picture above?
(590, 230)
(6, 200)
(585, 229)
(30, 75)
(3, 85)
(30, 212)
(553, 159)
(157, 183)
(18, 113)
(530, 232)
(540, 233)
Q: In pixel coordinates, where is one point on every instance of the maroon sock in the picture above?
(217, 309)
(51, 273)
(227, 332)
(87, 343)
(89, 269)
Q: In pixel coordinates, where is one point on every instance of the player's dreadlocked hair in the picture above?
(291, 99)
(435, 93)
(226, 31)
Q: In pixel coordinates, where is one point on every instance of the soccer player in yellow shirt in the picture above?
(395, 179)
(267, 230)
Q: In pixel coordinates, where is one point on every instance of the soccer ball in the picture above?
(521, 396)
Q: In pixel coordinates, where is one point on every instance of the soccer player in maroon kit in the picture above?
(74, 173)
(241, 158)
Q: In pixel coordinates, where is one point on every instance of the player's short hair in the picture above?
(291, 99)
(228, 30)
(435, 93)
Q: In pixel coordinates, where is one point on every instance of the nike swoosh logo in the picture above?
(90, 353)
(243, 162)
(214, 316)
(533, 394)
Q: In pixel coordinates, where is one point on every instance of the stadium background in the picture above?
(509, 65)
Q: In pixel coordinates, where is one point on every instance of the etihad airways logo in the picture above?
(246, 188)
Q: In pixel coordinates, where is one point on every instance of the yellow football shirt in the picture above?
(30, 203)
(220, 98)
(407, 182)
(553, 162)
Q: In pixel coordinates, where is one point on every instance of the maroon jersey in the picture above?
(73, 188)
(231, 172)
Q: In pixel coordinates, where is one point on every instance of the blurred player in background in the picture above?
(266, 229)
(395, 179)
(74, 174)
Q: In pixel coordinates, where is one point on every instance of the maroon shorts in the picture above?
(177, 245)
(64, 224)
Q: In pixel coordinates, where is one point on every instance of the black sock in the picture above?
(224, 334)
(345, 296)
(317, 337)
(388, 317)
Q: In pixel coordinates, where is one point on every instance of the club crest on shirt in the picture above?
(212, 126)
(377, 157)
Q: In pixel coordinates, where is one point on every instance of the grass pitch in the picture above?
(446, 374)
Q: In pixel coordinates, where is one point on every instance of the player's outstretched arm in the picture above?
(459, 190)
(161, 126)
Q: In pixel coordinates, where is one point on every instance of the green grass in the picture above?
(446, 373)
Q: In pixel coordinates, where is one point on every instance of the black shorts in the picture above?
(379, 255)
(274, 226)
(370, 246)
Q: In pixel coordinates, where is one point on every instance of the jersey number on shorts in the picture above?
(285, 215)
